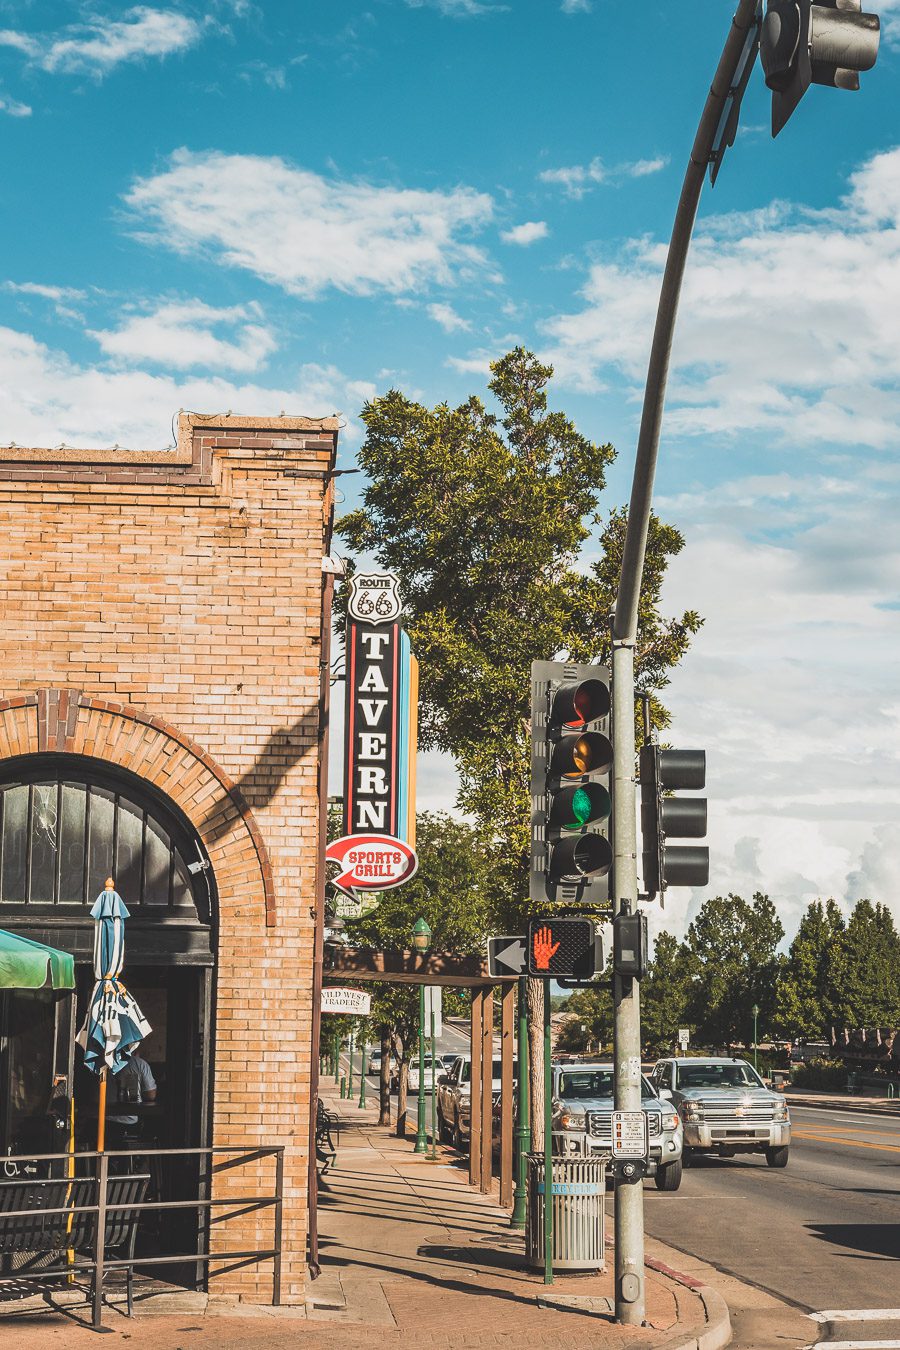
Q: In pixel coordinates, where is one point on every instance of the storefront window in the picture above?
(61, 836)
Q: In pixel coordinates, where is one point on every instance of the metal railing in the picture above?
(204, 1203)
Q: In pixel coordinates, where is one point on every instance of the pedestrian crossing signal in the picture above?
(562, 948)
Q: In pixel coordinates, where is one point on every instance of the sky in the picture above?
(294, 207)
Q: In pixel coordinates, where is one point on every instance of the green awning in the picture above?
(30, 965)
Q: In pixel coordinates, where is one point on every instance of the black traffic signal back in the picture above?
(663, 817)
(803, 43)
(562, 949)
(571, 763)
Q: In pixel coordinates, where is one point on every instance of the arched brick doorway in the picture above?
(199, 883)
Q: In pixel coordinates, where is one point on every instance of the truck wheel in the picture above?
(441, 1126)
(777, 1157)
(668, 1178)
(687, 1157)
(458, 1142)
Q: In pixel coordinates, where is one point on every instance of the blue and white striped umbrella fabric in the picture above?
(114, 1025)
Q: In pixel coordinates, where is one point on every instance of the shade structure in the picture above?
(30, 965)
(114, 1025)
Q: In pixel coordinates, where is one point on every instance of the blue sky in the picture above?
(295, 206)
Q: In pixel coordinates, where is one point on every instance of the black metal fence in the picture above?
(50, 1211)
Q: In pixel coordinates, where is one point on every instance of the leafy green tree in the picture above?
(592, 1010)
(732, 962)
(806, 995)
(865, 969)
(664, 994)
(484, 516)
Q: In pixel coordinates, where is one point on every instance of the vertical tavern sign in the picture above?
(382, 697)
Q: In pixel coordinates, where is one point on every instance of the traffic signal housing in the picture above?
(664, 817)
(563, 949)
(802, 43)
(571, 763)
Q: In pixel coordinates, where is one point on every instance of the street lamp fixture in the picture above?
(421, 941)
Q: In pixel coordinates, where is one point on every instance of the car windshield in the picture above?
(717, 1076)
(591, 1083)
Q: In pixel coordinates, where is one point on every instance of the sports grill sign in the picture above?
(377, 850)
(372, 770)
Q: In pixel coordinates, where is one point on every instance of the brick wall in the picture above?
(162, 611)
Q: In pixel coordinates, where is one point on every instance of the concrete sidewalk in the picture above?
(411, 1256)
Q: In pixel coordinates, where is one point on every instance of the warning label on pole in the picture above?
(630, 1136)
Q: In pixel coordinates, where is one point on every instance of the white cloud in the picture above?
(13, 108)
(576, 6)
(181, 335)
(529, 232)
(46, 398)
(577, 179)
(307, 233)
(786, 325)
(447, 317)
(100, 44)
(456, 9)
(55, 293)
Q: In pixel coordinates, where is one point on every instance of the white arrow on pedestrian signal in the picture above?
(513, 956)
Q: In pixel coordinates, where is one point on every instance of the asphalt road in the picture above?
(821, 1234)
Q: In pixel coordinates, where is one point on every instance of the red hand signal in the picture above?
(544, 948)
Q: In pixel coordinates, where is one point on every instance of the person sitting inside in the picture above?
(132, 1085)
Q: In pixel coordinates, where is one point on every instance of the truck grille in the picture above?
(734, 1115)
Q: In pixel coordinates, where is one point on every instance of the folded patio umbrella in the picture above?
(30, 965)
(114, 1025)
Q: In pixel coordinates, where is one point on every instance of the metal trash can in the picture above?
(578, 1193)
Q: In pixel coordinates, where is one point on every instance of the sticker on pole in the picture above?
(630, 1136)
(356, 1002)
(372, 862)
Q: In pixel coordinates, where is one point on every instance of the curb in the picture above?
(717, 1332)
(873, 1106)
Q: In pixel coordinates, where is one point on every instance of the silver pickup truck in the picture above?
(582, 1119)
(725, 1108)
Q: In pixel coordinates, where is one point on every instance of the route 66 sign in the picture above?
(374, 597)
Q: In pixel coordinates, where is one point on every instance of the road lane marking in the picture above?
(852, 1143)
(856, 1129)
(856, 1315)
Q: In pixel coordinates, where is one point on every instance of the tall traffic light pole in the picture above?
(802, 42)
(629, 1200)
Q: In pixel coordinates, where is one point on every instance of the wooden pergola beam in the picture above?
(368, 963)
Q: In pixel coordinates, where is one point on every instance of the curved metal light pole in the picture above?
(629, 1201)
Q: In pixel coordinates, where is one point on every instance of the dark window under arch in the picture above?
(66, 824)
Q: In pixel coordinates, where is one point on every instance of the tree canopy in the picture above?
(486, 517)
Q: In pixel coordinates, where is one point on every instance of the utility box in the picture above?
(578, 1191)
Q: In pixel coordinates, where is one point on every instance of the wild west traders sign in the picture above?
(380, 745)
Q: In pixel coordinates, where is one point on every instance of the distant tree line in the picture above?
(836, 973)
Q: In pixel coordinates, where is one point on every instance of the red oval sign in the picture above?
(372, 862)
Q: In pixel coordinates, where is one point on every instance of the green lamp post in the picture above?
(755, 1012)
(421, 942)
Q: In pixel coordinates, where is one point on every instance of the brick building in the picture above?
(161, 695)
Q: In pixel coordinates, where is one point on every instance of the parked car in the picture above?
(582, 1119)
(454, 1104)
(433, 1070)
(726, 1108)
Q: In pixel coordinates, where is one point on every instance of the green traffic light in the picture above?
(581, 809)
